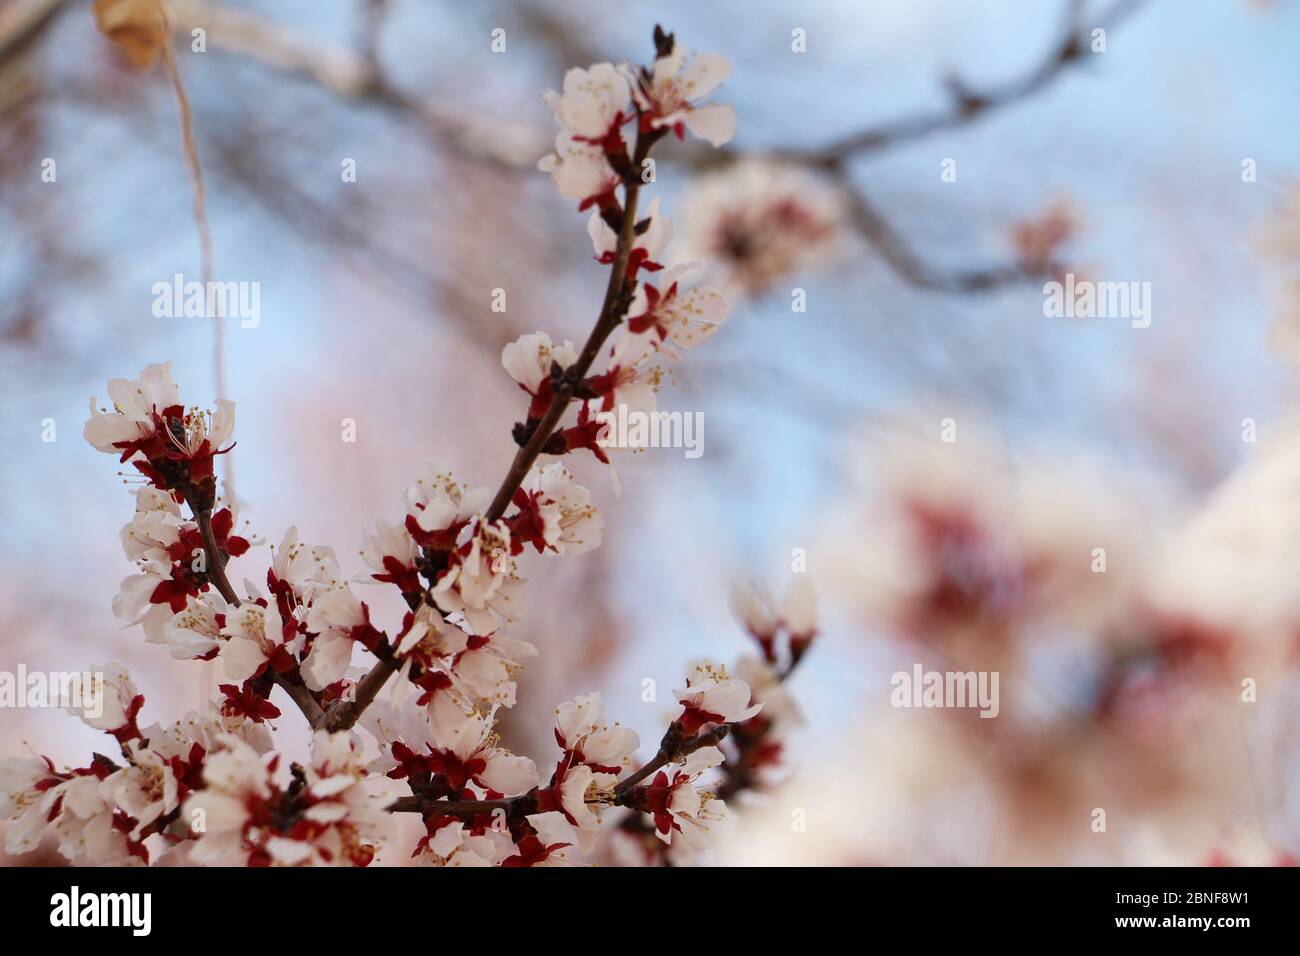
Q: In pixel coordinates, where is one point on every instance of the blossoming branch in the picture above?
(212, 789)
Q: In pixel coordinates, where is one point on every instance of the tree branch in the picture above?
(355, 76)
(737, 774)
(668, 755)
(216, 561)
(21, 23)
(611, 314)
(346, 713)
(868, 221)
(969, 104)
(469, 808)
(520, 804)
(300, 694)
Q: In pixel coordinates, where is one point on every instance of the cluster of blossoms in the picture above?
(591, 158)
(1127, 645)
(976, 559)
(760, 712)
(212, 790)
(760, 222)
(591, 161)
(104, 812)
(169, 444)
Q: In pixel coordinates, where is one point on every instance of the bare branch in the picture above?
(526, 803)
(359, 76)
(880, 233)
(969, 104)
(23, 21)
(356, 76)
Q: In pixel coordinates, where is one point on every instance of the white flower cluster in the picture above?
(212, 790)
(591, 161)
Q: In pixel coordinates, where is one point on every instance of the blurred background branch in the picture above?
(359, 76)
(969, 103)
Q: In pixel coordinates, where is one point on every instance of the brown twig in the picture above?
(469, 808)
(216, 562)
(195, 168)
(359, 77)
(302, 696)
(521, 804)
(968, 105)
(347, 712)
(738, 774)
(671, 755)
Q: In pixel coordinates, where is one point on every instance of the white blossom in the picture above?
(685, 317)
(669, 98)
(135, 404)
(561, 512)
(592, 102)
(713, 697)
(437, 503)
(580, 171)
(478, 589)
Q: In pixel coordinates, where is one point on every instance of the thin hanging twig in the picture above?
(205, 243)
